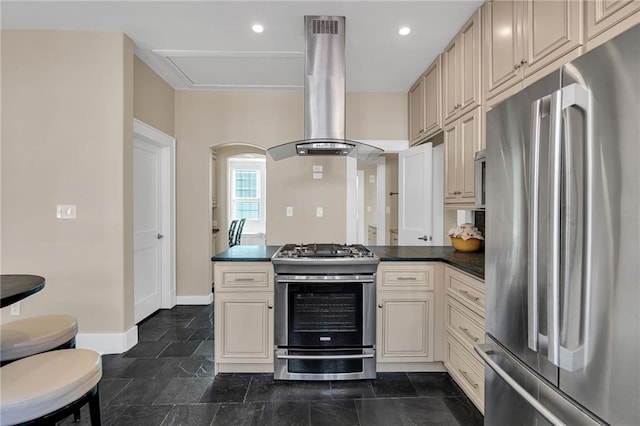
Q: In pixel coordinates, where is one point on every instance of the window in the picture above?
(247, 191)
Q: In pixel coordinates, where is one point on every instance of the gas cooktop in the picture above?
(320, 251)
(324, 259)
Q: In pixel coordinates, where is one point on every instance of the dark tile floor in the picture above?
(167, 379)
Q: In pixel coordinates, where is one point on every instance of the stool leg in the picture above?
(94, 408)
(76, 416)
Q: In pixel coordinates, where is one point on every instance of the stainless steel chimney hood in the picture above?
(324, 95)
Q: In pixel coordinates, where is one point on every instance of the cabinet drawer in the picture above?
(465, 289)
(463, 323)
(466, 371)
(409, 276)
(247, 276)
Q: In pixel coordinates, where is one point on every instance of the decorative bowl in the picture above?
(466, 246)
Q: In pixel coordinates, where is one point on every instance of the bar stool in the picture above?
(30, 336)
(45, 388)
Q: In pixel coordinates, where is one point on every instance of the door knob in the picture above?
(160, 236)
(425, 238)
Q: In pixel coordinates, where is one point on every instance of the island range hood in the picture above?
(324, 95)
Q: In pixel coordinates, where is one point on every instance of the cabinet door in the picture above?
(469, 144)
(405, 327)
(470, 70)
(433, 98)
(416, 111)
(450, 162)
(503, 46)
(553, 29)
(450, 80)
(605, 14)
(244, 327)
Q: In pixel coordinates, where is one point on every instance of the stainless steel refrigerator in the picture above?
(563, 245)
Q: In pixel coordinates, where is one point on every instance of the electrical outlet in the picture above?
(66, 211)
(15, 309)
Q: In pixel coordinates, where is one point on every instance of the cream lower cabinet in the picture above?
(407, 317)
(464, 326)
(243, 317)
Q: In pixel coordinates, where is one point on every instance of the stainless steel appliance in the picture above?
(324, 95)
(563, 237)
(481, 178)
(325, 297)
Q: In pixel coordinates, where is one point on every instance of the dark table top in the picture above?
(472, 263)
(14, 288)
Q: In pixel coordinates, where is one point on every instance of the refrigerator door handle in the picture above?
(553, 264)
(485, 351)
(574, 282)
(539, 110)
(570, 359)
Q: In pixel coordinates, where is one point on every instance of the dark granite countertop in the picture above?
(472, 263)
(246, 254)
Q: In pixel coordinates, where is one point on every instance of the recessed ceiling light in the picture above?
(404, 31)
(257, 28)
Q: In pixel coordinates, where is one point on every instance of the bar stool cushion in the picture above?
(41, 384)
(30, 336)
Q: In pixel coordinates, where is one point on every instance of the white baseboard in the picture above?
(108, 343)
(195, 300)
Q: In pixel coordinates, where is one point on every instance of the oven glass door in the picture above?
(325, 315)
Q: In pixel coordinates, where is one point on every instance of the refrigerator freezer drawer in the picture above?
(466, 369)
(520, 396)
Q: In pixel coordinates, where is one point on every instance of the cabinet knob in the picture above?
(523, 62)
(380, 305)
(270, 306)
(515, 67)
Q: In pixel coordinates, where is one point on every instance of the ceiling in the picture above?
(209, 45)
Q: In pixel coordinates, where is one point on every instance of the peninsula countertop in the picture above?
(472, 263)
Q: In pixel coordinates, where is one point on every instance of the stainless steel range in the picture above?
(325, 297)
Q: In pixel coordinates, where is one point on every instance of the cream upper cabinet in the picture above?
(522, 37)
(608, 16)
(462, 140)
(461, 70)
(416, 111)
(425, 104)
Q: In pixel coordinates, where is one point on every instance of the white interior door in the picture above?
(147, 229)
(415, 198)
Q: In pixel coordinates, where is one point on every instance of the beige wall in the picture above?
(153, 98)
(265, 119)
(67, 108)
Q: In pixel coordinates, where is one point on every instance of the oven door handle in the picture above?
(281, 354)
(325, 279)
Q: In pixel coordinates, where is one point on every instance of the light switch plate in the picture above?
(66, 211)
(317, 175)
(319, 211)
(317, 168)
(289, 211)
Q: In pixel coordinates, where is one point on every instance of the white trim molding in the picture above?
(195, 300)
(108, 343)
